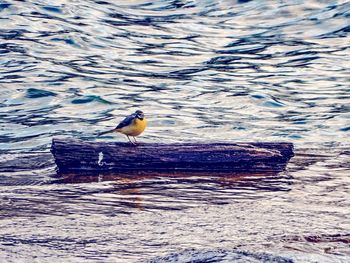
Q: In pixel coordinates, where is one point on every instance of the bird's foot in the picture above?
(132, 143)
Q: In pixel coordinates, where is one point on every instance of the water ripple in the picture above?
(201, 71)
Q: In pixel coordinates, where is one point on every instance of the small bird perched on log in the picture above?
(133, 125)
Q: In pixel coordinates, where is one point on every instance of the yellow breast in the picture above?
(135, 128)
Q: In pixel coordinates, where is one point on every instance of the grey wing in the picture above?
(127, 121)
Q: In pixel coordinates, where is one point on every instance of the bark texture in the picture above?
(77, 155)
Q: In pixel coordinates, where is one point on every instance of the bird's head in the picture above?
(139, 114)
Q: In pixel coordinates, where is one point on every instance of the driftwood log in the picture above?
(79, 156)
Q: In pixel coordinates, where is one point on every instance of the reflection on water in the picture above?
(295, 216)
(201, 71)
(172, 191)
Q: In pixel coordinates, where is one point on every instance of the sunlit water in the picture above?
(201, 71)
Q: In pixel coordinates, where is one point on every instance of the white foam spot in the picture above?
(100, 158)
(100, 178)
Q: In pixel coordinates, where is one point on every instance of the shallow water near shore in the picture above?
(202, 71)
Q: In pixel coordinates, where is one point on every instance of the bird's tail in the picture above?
(105, 132)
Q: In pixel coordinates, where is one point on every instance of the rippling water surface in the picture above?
(201, 71)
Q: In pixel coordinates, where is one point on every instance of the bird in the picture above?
(133, 125)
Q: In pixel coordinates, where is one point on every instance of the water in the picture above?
(201, 71)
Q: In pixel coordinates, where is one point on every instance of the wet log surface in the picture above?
(86, 156)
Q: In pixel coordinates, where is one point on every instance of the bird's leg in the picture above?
(130, 140)
(134, 139)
